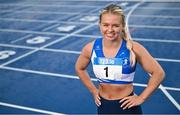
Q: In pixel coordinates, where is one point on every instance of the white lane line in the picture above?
(136, 39)
(161, 1)
(44, 21)
(62, 51)
(29, 109)
(18, 46)
(20, 57)
(170, 97)
(91, 36)
(50, 5)
(161, 87)
(154, 16)
(172, 88)
(28, 20)
(43, 73)
(81, 14)
(50, 27)
(51, 43)
(168, 60)
(30, 32)
(90, 6)
(54, 21)
(22, 38)
(49, 74)
(156, 40)
(129, 14)
(155, 26)
(158, 8)
(74, 52)
(68, 35)
(41, 12)
(78, 52)
(94, 79)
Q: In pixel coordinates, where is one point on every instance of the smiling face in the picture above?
(111, 26)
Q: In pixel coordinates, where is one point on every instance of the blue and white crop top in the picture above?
(115, 70)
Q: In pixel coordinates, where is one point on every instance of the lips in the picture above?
(109, 36)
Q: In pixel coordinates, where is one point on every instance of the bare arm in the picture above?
(150, 65)
(81, 64)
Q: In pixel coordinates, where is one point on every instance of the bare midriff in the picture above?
(115, 91)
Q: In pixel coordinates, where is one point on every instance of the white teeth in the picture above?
(109, 35)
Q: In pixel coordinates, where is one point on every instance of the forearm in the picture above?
(85, 78)
(153, 84)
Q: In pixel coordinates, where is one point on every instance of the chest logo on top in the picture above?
(97, 47)
(125, 62)
(111, 61)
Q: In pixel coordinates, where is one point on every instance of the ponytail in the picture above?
(115, 9)
(129, 46)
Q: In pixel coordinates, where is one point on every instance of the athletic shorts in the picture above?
(113, 107)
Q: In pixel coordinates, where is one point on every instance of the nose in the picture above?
(110, 29)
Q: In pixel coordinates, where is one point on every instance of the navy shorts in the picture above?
(113, 107)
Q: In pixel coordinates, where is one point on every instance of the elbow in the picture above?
(76, 69)
(160, 75)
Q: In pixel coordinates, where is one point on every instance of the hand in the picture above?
(97, 98)
(131, 101)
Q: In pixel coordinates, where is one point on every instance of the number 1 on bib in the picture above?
(106, 68)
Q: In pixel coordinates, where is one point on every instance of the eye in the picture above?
(116, 25)
(105, 25)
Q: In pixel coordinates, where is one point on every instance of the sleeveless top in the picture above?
(115, 70)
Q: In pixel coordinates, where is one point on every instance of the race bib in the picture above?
(108, 68)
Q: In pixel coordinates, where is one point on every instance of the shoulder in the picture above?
(87, 49)
(139, 50)
(143, 56)
(145, 59)
(137, 46)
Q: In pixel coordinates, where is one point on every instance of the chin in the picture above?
(110, 38)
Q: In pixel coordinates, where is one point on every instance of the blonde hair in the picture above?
(115, 9)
